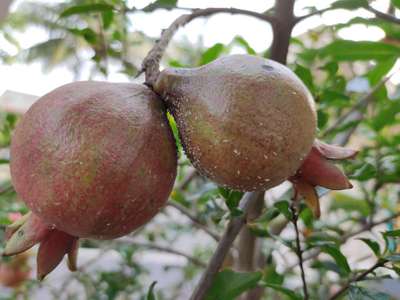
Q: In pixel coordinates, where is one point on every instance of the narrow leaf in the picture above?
(374, 246)
(339, 258)
(85, 8)
(229, 284)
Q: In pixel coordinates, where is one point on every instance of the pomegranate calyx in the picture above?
(30, 230)
(24, 234)
(52, 250)
(317, 170)
(333, 152)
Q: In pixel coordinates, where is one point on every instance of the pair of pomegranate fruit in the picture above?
(98, 160)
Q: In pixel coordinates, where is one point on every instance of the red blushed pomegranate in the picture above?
(90, 159)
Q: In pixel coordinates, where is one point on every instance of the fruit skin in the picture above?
(94, 159)
(245, 122)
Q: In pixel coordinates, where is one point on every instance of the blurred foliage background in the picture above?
(355, 243)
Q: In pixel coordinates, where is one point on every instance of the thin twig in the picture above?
(166, 249)
(299, 251)
(379, 263)
(345, 237)
(194, 220)
(359, 105)
(151, 63)
(383, 16)
(192, 174)
(314, 13)
(216, 261)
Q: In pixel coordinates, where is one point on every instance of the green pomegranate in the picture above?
(245, 122)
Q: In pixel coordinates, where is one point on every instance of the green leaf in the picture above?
(232, 199)
(349, 4)
(283, 207)
(393, 258)
(396, 3)
(166, 4)
(306, 76)
(346, 50)
(360, 293)
(366, 172)
(268, 216)
(374, 246)
(211, 54)
(349, 203)
(322, 118)
(242, 42)
(292, 295)
(386, 115)
(175, 132)
(228, 284)
(4, 161)
(339, 258)
(86, 8)
(87, 33)
(392, 233)
(376, 74)
(271, 276)
(150, 293)
(107, 17)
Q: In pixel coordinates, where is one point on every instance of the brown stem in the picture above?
(166, 249)
(345, 237)
(380, 263)
(354, 111)
(282, 30)
(383, 16)
(249, 249)
(151, 63)
(192, 174)
(194, 220)
(299, 251)
(232, 230)
(314, 13)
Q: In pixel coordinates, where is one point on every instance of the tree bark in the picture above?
(250, 256)
(282, 30)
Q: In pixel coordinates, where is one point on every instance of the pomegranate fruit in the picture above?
(90, 159)
(245, 122)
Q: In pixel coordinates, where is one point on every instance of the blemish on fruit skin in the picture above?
(267, 67)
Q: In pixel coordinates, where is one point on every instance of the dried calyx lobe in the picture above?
(91, 160)
(318, 170)
(244, 121)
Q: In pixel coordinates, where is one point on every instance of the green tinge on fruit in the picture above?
(94, 159)
(245, 122)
